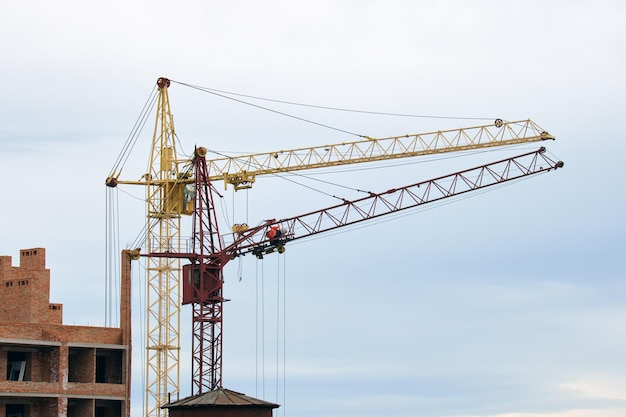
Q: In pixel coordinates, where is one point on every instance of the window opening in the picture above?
(101, 368)
(15, 410)
(16, 366)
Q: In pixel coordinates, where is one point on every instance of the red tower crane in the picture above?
(202, 278)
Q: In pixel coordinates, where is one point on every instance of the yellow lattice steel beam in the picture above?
(241, 171)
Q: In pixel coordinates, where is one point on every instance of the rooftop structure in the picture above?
(221, 402)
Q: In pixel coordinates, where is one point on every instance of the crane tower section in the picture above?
(163, 277)
(169, 196)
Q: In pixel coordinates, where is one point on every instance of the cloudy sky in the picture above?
(506, 304)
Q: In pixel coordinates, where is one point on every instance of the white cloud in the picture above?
(602, 387)
(602, 412)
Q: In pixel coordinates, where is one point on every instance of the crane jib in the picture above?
(391, 201)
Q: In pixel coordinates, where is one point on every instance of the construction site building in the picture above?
(48, 369)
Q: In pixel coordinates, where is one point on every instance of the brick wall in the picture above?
(70, 370)
(25, 290)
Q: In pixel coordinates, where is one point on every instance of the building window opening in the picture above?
(16, 366)
(15, 410)
(101, 369)
(79, 407)
(81, 365)
(109, 366)
(108, 408)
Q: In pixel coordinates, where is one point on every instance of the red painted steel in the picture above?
(203, 279)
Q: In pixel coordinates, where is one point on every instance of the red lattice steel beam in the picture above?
(391, 201)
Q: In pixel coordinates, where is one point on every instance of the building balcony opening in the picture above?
(109, 366)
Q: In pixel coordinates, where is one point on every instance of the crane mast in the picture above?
(203, 281)
(205, 270)
(163, 274)
(165, 203)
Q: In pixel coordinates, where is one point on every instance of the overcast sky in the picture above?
(506, 304)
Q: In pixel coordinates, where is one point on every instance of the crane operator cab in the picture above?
(274, 234)
(277, 237)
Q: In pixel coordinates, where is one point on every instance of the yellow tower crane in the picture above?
(170, 177)
(164, 179)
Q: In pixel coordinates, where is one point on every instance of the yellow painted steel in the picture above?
(241, 171)
(163, 184)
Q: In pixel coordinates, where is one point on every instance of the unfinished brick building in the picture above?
(48, 369)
